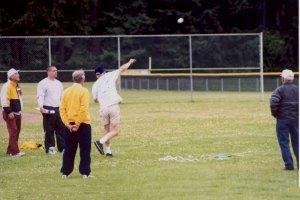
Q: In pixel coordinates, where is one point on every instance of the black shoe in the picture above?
(109, 154)
(289, 168)
(99, 147)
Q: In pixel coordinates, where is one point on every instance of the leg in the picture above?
(106, 130)
(12, 128)
(18, 123)
(71, 143)
(85, 140)
(294, 131)
(282, 130)
(60, 134)
(114, 128)
(114, 120)
(48, 124)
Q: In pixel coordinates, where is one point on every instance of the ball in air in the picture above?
(180, 20)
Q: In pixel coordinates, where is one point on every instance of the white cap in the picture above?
(287, 74)
(11, 72)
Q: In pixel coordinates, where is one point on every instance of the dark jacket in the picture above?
(284, 102)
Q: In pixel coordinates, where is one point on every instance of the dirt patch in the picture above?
(26, 117)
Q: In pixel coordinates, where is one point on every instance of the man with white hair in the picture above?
(74, 111)
(11, 101)
(284, 104)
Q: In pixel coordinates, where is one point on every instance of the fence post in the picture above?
(239, 84)
(222, 85)
(167, 84)
(49, 51)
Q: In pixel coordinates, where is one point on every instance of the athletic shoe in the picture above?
(109, 154)
(87, 176)
(64, 176)
(20, 154)
(51, 151)
(99, 147)
(289, 168)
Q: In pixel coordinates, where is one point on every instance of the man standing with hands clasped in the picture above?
(104, 91)
(75, 115)
(49, 93)
(284, 104)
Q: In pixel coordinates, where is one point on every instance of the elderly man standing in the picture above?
(284, 104)
(75, 115)
(11, 101)
(49, 93)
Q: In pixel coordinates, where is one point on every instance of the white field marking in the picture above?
(179, 158)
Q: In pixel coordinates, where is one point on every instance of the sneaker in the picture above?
(99, 147)
(87, 176)
(289, 168)
(51, 151)
(109, 154)
(20, 154)
(64, 176)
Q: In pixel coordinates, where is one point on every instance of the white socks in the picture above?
(108, 150)
(104, 139)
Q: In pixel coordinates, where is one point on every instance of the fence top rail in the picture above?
(172, 74)
(125, 36)
(206, 74)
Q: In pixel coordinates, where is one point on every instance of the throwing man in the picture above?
(104, 91)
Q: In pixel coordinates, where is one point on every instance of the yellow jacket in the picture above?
(11, 99)
(75, 105)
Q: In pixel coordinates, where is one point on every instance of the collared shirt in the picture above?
(11, 98)
(49, 92)
(105, 91)
(75, 105)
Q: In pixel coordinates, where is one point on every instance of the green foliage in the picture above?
(100, 17)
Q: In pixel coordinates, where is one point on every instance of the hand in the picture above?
(131, 61)
(11, 116)
(73, 128)
(42, 110)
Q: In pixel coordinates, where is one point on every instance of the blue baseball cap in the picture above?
(100, 69)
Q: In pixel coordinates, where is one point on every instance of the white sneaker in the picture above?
(89, 176)
(20, 154)
(64, 176)
(51, 151)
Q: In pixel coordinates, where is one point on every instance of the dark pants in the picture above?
(284, 129)
(14, 128)
(83, 137)
(52, 124)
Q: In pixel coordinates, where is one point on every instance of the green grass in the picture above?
(155, 125)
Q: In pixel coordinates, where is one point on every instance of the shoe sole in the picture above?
(99, 149)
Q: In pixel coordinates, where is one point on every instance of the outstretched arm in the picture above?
(127, 65)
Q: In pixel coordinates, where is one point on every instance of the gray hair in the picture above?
(78, 76)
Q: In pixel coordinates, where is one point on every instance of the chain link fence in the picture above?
(157, 53)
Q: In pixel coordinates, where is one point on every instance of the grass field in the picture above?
(165, 150)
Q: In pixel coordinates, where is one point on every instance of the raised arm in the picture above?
(127, 65)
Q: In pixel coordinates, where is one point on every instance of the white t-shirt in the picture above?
(49, 92)
(105, 91)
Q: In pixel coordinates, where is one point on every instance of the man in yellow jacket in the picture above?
(11, 101)
(74, 111)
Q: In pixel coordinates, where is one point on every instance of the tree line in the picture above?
(278, 20)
